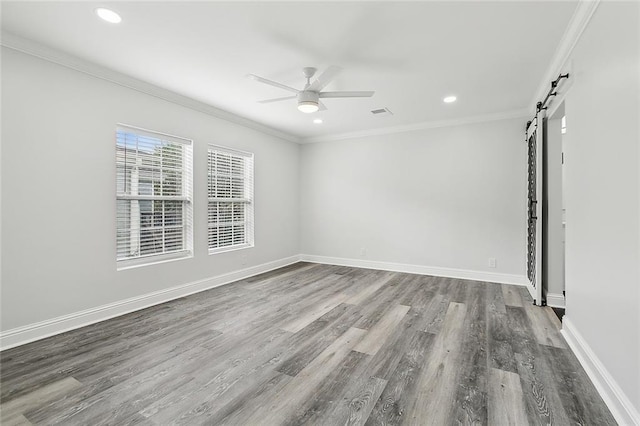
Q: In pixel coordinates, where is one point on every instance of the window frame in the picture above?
(249, 201)
(186, 199)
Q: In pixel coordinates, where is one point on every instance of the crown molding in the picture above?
(50, 54)
(520, 113)
(579, 21)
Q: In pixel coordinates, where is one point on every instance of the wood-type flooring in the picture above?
(311, 344)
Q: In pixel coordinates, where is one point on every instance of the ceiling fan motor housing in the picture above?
(308, 96)
(308, 101)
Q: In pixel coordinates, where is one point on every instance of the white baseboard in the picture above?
(32, 332)
(555, 300)
(619, 404)
(493, 277)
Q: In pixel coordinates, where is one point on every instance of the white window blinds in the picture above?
(153, 195)
(230, 199)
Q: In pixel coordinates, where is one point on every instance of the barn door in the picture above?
(534, 208)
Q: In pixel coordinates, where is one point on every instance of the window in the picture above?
(230, 207)
(153, 197)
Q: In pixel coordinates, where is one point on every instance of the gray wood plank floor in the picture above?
(311, 344)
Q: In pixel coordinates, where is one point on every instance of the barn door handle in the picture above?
(532, 208)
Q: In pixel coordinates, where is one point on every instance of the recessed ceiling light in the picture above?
(108, 15)
(449, 99)
(318, 121)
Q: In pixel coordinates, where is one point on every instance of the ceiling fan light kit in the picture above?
(309, 97)
(308, 107)
(308, 101)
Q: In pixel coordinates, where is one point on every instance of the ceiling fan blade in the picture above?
(321, 106)
(268, 101)
(325, 78)
(271, 83)
(346, 94)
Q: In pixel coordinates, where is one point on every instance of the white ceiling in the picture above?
(492, 55)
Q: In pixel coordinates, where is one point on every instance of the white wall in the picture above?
(447, 197)
(602, 170)
(58, 191)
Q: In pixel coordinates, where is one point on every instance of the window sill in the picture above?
(231, 248)
(122, 265)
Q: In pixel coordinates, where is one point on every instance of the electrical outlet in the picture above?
(363, 251)
(492, 262)
(243, 260)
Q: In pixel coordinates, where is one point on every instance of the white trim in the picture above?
(493, 277)
(123, 127)
(230, 248)
(121, 196)
(420, 126)
(555, 300)
(41, 51)
(32, 332)
(619, 404)
(581, 17)
(152, 259)
(231, 151)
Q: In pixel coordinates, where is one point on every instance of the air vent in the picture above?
(381, 112)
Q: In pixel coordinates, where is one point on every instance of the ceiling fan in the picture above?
(309, 97)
